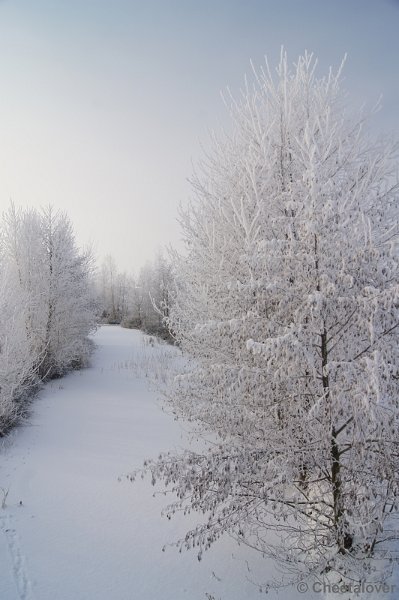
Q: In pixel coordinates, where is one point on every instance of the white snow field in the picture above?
(70, 530)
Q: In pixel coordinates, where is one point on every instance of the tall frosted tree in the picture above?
(68, 301)
(287, 307)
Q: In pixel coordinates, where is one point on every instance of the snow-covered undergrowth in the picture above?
(155, 359)
(73, 527)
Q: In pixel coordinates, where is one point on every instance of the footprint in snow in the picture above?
(18, 561)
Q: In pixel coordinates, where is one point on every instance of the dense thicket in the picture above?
(288, 306)
(46, 304)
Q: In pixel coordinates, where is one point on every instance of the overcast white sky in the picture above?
(103, 104)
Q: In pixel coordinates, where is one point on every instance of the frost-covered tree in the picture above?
(67, 299)
(288, 309)
(46, 304)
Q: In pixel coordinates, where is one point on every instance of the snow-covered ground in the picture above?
(71, 530)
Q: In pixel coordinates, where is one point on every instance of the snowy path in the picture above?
(70, 530)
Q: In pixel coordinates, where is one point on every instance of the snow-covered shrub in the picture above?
(288, 305)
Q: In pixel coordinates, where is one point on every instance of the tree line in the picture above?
(139, 302)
